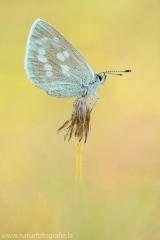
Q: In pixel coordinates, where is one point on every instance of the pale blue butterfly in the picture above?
(54, 65)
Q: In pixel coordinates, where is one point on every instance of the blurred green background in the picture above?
(121, 160)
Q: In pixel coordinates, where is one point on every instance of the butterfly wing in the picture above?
(53, 64)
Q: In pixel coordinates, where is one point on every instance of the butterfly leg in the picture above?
(96, 97)
(91, 101)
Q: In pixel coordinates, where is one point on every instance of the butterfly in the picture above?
(53, 64)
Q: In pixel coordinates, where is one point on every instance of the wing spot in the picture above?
(47, 67)
(65, 70)
(42, 58)
(60, 57)
(66, 54)
(35, 80)
(49, 73)
(56, 39)
(41, 51)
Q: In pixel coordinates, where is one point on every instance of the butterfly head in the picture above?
(101, 77)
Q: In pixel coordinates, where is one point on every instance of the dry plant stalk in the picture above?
(79, 164)
(79, 123)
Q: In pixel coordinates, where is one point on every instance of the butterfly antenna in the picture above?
(116, 73)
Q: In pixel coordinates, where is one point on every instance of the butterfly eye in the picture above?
(99, 77)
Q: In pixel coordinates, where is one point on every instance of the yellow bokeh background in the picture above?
(121, 159)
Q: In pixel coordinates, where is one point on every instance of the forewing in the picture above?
(53, 64)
